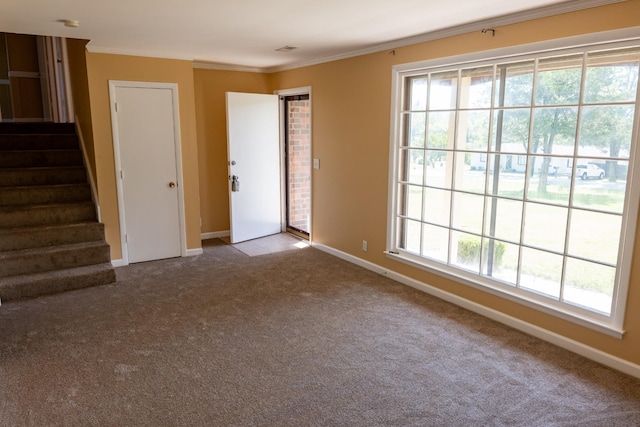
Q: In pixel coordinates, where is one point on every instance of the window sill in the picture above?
(531, 302)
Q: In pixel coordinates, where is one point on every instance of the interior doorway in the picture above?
(297, 153)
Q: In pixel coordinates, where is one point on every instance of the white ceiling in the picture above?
(247, 32)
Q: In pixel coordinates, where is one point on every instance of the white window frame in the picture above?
(611, 325)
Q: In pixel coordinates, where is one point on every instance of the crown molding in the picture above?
(206, 65)
(513, 18)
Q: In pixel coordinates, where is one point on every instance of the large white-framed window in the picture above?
(513, 171)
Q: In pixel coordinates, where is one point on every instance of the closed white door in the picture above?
(253, 140)
(147, 141)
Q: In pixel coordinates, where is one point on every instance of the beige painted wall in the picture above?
(351, 111)
(80, 89)
(210, 88)
(100, 69)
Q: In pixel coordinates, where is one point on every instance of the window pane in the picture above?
(441, 130)
(410, 201)
(500, 261)
(541, 272)
(465, 212)
(505, 183)
(439, 168)
(503, 218)
(606, 193)
(589, 285)
(437, 206)
(550, 181)
(443, 93)
(545, 226)
(558, 80)
(465, 251)
(414, 129)
(473, 130)
(594, 235)
(606, 130)
(417, 93)
(476, 87)
(511, 131)
(435, 242)
(612, 76)
(410, 232)
(518, 84)
(554, 130)
(470, 172)
(411, 166)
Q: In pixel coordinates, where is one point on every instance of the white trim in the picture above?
(520, 325)
(575, 42)
(173, 87)
(119, 262)
(513, 18)
(205, 65)
(215, 234)
(92, 182)
(137, 52)
(612, 325)
(194, 252)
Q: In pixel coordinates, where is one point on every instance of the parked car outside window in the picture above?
(589, 171)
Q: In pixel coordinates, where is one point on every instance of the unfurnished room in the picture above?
(359, 213)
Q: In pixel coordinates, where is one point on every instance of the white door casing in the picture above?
(253, 142)
(146, 136)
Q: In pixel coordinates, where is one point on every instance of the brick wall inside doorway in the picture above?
(299, 164)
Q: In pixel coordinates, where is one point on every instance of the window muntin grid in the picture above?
(472, 192)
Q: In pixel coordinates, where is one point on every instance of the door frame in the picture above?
(113, 84)
(303, 90)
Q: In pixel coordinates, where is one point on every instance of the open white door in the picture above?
(254, 160)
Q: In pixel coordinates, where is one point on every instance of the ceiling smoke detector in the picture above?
(72, 23)
(286, 48)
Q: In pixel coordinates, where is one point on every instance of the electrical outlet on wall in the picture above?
(364, 245)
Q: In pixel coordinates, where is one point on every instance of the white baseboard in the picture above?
(536, 331)
(189, 252)
(119, 262)
(215, 234)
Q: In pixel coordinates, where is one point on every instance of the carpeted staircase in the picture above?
(50, 239)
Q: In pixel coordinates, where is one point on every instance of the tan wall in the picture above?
(210, 88)
(351, 111)
(101, 68)
(80, 90)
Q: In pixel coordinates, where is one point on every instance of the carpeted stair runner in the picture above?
(50, 240)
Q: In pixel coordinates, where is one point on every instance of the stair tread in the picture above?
(30, 228)
(38, 284)
(13, 208)
(51, 249)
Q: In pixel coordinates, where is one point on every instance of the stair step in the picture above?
(44, 141)
(40, 260)
(38, 128)
(64, 213)
(12, 239)
(52, 282)
(42, 176)
(40, 158)
(36, 195)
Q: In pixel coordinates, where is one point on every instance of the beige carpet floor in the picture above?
(295, 338)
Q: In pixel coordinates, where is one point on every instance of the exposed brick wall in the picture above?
(299, 165)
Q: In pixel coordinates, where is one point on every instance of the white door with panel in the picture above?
(253, 139)
(147, 146)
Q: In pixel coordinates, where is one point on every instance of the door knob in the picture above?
(172, 184)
